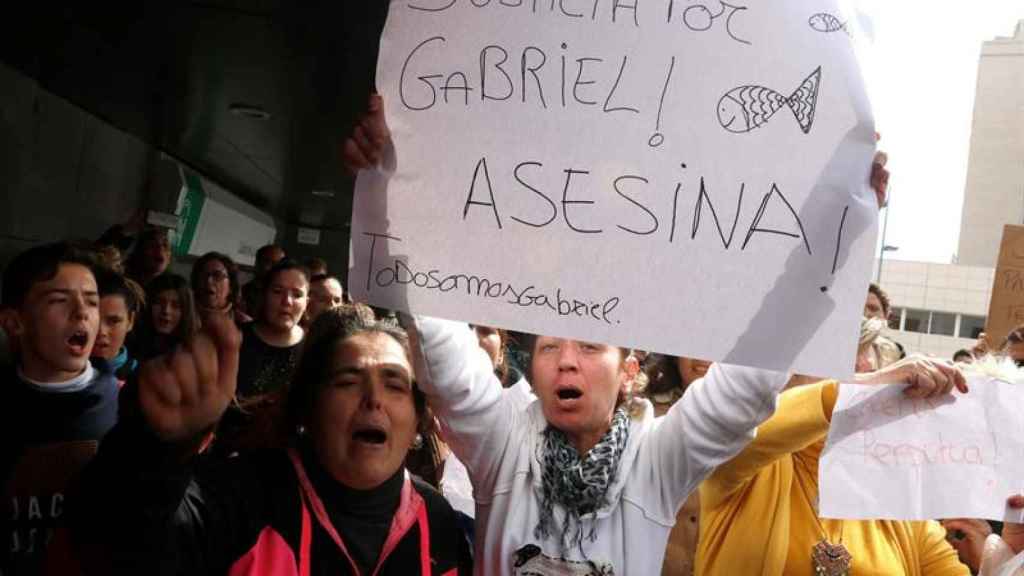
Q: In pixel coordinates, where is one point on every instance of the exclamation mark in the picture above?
(657, 138)
(839, 242)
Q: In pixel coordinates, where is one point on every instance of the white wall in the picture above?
(949, 288)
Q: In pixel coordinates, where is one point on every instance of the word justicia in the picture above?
(396, 272)
(696, 16)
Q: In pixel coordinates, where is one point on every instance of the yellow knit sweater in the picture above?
(757, 514)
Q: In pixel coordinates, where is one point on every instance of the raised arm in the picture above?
(805, 413)
(714, 420)
(164, 510)
(802, 419)
(458, 379)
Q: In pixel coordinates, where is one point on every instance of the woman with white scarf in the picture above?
(585, 480)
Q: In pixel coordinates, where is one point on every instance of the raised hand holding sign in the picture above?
(555, 168)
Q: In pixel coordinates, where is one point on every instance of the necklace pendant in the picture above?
(831, 559)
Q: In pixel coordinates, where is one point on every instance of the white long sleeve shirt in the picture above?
(498, 441)
(455, 483)
(998, 559)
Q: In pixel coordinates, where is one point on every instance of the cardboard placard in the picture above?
(1006, 309)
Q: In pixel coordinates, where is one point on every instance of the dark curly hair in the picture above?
(883, 298)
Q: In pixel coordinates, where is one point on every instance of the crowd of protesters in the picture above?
(157, 424)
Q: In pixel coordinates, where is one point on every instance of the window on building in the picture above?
(894, 318)
(943, 323)
(971, 326)
(917, 321)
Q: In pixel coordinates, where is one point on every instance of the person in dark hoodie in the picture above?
(121, 300)
(54, 406)
(333, 499)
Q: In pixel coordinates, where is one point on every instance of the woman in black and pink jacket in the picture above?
(335, 499)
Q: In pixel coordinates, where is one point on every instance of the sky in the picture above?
(921, 70)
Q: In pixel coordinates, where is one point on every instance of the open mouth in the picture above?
(374, 436)
(78, 341)
(569, 394)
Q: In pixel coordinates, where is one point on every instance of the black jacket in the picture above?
(242, 516)
(46, 439)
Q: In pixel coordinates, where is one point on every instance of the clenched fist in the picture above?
(184, 393)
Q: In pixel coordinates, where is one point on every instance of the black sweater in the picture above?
(212, 516)
(46, 439)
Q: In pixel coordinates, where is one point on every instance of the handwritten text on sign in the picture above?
(672, 175)
(892, 457)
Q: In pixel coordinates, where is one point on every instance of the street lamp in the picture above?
(885, 228)
(881, 257)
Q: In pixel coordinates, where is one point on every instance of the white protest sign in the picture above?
(677, 176)
(892, 457)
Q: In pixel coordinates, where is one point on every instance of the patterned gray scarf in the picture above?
(579, 485)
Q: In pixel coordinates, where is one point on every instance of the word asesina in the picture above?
(632, 191)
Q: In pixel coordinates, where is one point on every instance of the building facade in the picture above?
(935, 308)
(940, 308)
(994, 193)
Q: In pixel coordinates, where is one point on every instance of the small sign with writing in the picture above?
(309, 236)
(898, 458)
(1006, 308)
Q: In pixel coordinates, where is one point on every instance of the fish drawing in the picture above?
(748, 107)
(827, 23)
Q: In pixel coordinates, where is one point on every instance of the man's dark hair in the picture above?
(110, 283)
(264, 250)
(315, 263)
(663, 374)
(39, 264)
(961, 353)
(882, 297)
